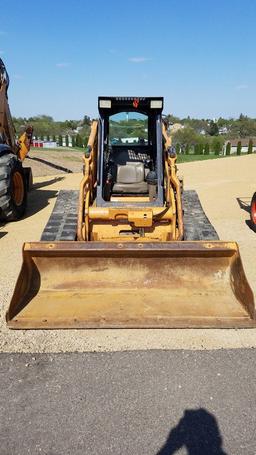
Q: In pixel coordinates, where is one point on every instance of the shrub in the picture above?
(178, 148)
(250, 146)
(207, 148)
(201, 149)
(196, 149)
(79, 141)
(239, 148)
(228, 148)
(217, 147)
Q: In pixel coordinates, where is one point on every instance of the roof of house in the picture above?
(244, 141)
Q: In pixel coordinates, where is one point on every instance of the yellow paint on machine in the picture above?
(130, 266)
(97, 285)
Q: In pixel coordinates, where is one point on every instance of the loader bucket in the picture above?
(131, 285)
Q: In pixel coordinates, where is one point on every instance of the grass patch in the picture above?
(192, 157)
(57, 149)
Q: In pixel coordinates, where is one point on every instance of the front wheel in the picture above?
(253, 212)
(13, 190)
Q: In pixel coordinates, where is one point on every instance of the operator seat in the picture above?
(130, 178)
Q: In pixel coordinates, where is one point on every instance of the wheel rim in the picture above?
(253, 211)
(18, 188)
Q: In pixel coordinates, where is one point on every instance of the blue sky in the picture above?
(61, 55)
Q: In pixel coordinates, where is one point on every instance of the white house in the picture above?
(244, 144)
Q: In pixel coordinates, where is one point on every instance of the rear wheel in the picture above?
(253, 212)
(13, 191)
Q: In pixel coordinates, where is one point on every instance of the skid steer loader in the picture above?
(133, 262)
(15, 180)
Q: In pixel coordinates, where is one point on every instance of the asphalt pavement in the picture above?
(140, 402)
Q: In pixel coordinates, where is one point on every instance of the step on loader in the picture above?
(133, 261)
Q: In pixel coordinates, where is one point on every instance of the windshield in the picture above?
(128, 128)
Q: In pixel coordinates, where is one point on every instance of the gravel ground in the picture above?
(225, 188)
(145, 403)
(69, 159)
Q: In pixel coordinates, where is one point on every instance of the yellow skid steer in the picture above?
(142, 253)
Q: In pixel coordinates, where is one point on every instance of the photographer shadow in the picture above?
(198, 432)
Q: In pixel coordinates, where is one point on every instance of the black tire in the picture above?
(62, 224)
(29, 178)
(12, 206)
(196, 224)
(253, 212)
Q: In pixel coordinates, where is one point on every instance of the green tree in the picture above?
(207, 148)
(250, 146)
(201, 148)
(239, 148)
(213, 129)
(67, 140)
(73, 141)
(86, 120)
(177, 148)
(228, 148)
(216, 147)
(187, 149)
(79, 141)
(171, 119)
(185, 136)
(60, 140)
(196, 149)
(54, 138)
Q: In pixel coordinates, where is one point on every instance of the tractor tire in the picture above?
(253, 212)
(13, 190)
(196, 224)
(29, 178)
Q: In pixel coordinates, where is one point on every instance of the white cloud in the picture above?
(241, 87)
(62, 65)
(139, 59)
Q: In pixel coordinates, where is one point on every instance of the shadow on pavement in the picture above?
(38, 185)
(198, 432)
(38, 200)
(245, 204)
(2, 233)
(50, 164)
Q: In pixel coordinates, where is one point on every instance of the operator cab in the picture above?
(130, 145)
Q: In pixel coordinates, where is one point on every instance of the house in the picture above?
(175, 127)
(43, 144)
(244, 144)
(223, 130)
